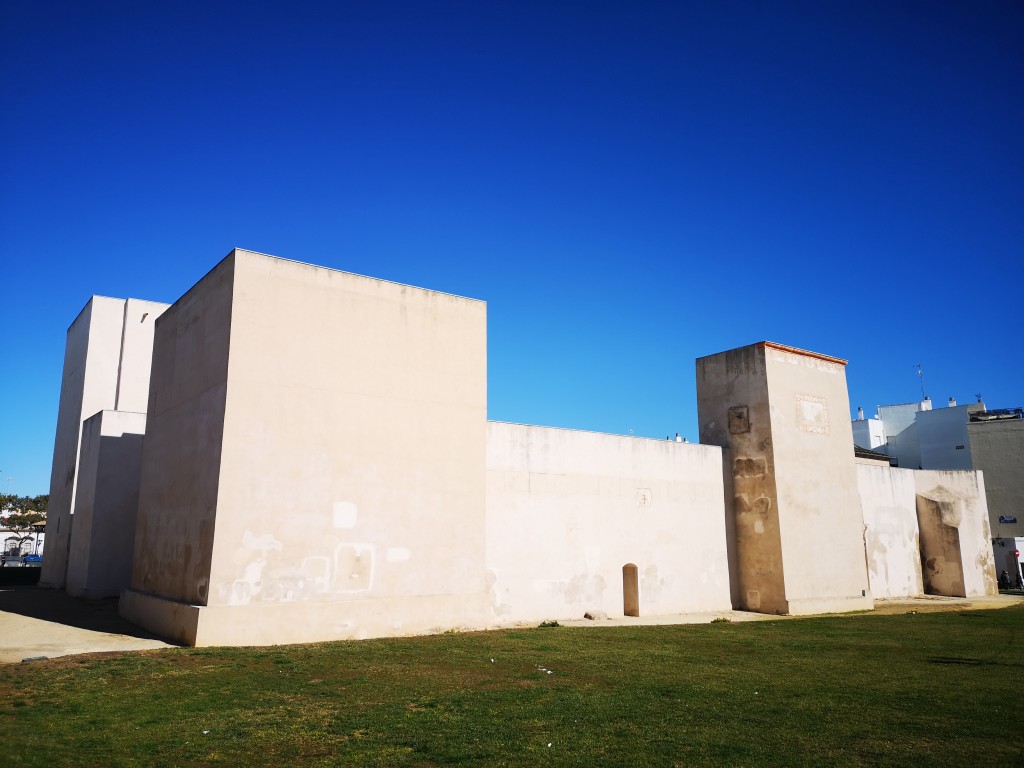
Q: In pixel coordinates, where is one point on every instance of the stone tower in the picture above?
(797, 534)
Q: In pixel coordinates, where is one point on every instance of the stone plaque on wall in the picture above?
(739, 419)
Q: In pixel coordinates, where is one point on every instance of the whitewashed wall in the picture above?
(566, 510)
(887, 496)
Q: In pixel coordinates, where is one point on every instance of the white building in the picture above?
(18, 543)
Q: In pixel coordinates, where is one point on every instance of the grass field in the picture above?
(928, 689)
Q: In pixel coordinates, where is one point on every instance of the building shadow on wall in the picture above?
(56, 606)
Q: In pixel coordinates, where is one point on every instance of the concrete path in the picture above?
(924, 604)
(47, 622)
(38, 622)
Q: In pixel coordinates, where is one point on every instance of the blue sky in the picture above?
(628, 185)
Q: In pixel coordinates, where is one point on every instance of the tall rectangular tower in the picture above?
(313, 467)
(783, 414)
(106, 367)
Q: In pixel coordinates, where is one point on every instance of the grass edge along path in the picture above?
(913, 689)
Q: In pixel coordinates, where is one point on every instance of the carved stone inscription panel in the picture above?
(812, 414)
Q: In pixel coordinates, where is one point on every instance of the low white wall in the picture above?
(887, 496)
(566, 510)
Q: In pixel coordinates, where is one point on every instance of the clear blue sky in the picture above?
(628, 185)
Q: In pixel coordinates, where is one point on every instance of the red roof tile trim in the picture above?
(796, 351)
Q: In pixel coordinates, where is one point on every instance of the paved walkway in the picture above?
(47, 622)
(38, 622)
(923, 604)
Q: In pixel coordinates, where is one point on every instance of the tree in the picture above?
(23, 514)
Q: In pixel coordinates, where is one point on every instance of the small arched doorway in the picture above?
(630, 590)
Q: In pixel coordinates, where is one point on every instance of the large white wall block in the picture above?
(314, 460)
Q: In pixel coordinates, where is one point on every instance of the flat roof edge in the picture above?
(798, 351)
(356, 274)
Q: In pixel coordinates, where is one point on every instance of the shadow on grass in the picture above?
(59, 607)
(972, 662)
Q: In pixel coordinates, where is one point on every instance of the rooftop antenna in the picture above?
(920, 374)
(978, 396)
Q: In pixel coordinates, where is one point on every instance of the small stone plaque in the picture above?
(739, 419)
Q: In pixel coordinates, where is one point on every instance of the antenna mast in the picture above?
(920, 374)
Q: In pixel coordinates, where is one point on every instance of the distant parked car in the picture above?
(32, 560)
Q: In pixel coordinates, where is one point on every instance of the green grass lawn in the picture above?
(928, 689)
